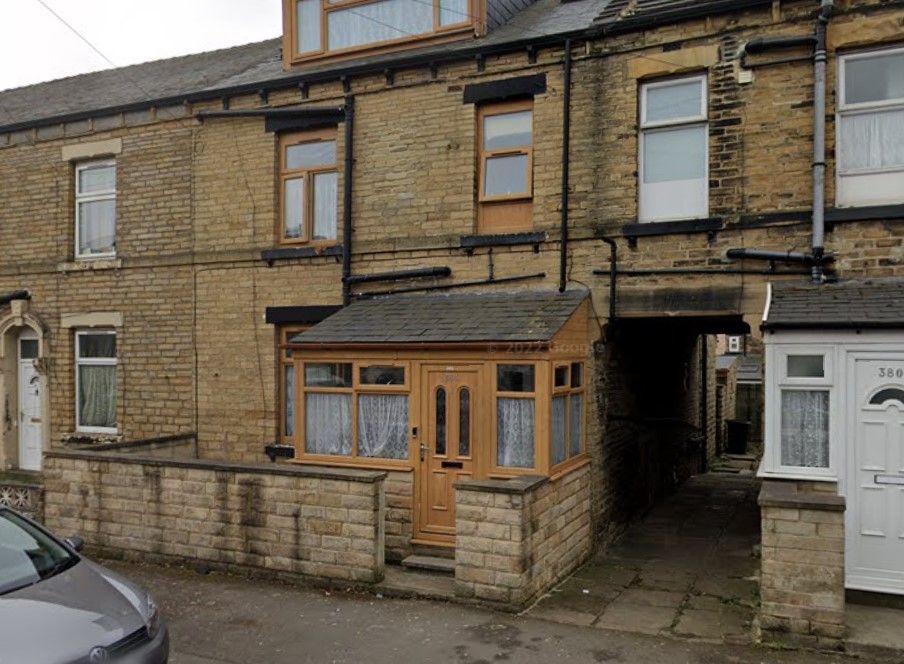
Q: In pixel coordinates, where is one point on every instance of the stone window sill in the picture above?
(679, 227)
(289, 253)
(502, 240)
(90, 265)
(90, 439)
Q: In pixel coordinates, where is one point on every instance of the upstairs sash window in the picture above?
(95, 209)
(309, 185)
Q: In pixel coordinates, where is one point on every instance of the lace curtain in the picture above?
(328, 423)
(383, 426)
(515, 433)
(805, 428)
(97, 396)
(558, 430)
(872, 141)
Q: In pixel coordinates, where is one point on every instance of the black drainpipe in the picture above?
(613, 277)
(704, 406)
(347, 199)
(566, 147)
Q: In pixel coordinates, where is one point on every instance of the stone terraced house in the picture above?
(443, 277)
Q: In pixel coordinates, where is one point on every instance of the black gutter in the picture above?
(6, 298)
(347, 198)
(837, 325)
(334, 111)
(399, 275)
(704, 402)
(462, 284)
(566, 146)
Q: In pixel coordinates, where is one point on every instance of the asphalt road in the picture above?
(218, 619)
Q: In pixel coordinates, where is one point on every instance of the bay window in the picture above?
(95, 381)
(870, 128)
(318, 28)
(567, 421)
(309, 187)
(674, 150)
(95, 209)
(505, 168)
(355, 410)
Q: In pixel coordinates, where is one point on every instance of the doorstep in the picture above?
(875, 631)
(403, 582)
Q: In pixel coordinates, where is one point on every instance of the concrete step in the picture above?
(430, 564)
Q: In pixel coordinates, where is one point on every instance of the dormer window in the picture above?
(322, 28)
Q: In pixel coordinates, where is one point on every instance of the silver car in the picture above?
(56, 607)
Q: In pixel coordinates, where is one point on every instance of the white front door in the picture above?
(875, 509)
(30, 420)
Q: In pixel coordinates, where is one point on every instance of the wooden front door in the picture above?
(446, 446)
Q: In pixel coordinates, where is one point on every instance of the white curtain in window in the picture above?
(515, 433)
(872, 141)
(558, 453)
(328, 423)
(383, 426)
(379, 21)
(805, 428)
(97, 396)
(577, 422)
(97, 226)
(325, 198)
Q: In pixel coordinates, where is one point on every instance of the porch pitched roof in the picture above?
(449, 318)
(852, 304)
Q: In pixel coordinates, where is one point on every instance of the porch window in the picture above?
(287, 384)
(805, 428)
(506, 166)
(95, 384)
(870, 169)
(356, 410)
(674, 150)
(95, 209)
(567, 421)
(309, 187)
(320, 27)
(515, 415)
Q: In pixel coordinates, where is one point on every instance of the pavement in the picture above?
(221, 619)
(688, 570)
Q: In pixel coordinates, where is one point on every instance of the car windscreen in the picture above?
(27, 555)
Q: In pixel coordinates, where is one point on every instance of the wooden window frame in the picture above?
(307, 174)
(356, 389)
(538, 395)
(94, 362)
(492, 110)
(284, 360)
(107, 195)
(474, 24)
(568, 391)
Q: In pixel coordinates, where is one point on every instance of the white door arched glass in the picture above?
(875, 518)
(30, 398)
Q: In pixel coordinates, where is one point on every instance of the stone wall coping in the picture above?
(516, 485)
(775, 493)
(174, 440)
(286, 470)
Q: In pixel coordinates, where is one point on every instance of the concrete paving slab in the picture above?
(645, 597)
(699, 624)
(704, 603)
(582, 595)
(637, 618)
(875, 627)
(609, 572)
(563, 615)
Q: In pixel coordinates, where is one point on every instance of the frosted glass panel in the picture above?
(872, 141)
(293, 209)
(805, 428)
(383, 426)
(683, 99)
(874, 79)
(508, 130)
(453, 11)
(506, 175)
(325, 201)
(674, 154)
(308, 16)
(515, 433)
(379, 21)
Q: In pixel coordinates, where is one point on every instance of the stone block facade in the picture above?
(321, 524)
(515, 539)
(802, 589)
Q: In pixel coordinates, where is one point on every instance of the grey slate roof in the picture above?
(858, 303)
(452, 318)
(254, 64)
(625, 15)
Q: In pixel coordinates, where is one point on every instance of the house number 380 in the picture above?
(891, 372)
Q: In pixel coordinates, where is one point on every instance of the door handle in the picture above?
(423, 451)
(452, 464)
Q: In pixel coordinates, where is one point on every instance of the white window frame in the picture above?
(700, 120)
(110, 194)
(734, 344)
(869, 178)
(92, 361)
(777, 382)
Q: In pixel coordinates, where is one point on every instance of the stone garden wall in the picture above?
(299, 520)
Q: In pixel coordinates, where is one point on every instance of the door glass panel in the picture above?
(441, 421)
(464, 422)
(28, 349)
